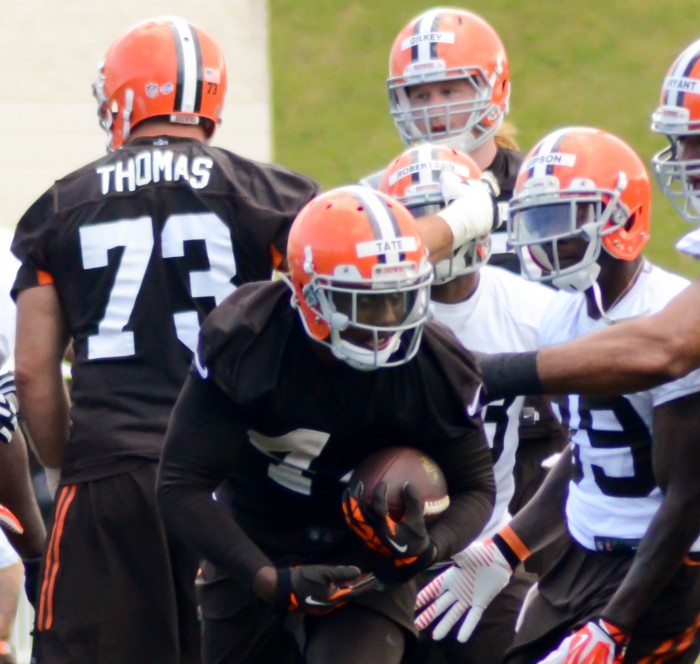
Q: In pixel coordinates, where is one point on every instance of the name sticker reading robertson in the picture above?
(384, 246)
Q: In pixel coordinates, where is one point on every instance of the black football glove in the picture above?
(405, 543)
(319, 589)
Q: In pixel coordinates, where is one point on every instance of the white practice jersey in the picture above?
(613, 494)
(502, 316)
(8, 270)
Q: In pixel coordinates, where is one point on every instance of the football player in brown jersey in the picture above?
(282, 403)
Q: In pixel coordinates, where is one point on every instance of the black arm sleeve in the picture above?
(203, 441)
(469, 473)
(509, 374)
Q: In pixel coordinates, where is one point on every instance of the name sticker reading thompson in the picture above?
(385, 246)
(552, 159)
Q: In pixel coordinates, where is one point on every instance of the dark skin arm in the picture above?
(42, 340)
(676, 525)
(543, 519)
(630, 356)
(17, 494)
(203, 441)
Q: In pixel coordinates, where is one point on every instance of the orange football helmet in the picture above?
(579, 183)
(352, 252)
(413, 178)
(443, 44)
(677, 117)
(163, 67)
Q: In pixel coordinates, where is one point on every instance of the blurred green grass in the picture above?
(596, 63)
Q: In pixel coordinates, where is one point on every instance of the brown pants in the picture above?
(580, 585)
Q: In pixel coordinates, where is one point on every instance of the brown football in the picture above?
(396, 466)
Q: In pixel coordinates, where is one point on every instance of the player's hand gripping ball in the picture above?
(396, 466)
(391, 496)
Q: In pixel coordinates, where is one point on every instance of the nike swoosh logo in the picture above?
(203, 371)
(475, 404)
(399, 547)
(313, 602)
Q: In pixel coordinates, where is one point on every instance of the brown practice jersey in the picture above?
(285, 426)
(505, 167)
(140, 246)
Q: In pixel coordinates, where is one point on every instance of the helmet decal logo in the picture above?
(384, 245)
(151, 90)
(167, 88)
(428, 38)
(212, 75)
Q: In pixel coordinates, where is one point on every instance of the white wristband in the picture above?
(470, 214)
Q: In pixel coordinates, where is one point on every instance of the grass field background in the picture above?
(598, 63)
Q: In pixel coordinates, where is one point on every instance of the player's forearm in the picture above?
(10, 588)
(437, 237)
(617, 360)
(469, 474)
(42, 339)
(543, 519)
(17, 493)
(189, 473)
(629, 356)
(44, 413)
(191, 514)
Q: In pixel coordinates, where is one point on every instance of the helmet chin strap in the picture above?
(598, 298)
(578, 281)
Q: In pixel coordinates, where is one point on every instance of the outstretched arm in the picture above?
(676, 525)
(630, 356)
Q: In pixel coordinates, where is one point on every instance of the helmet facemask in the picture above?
(352, 306)
(679, 179)
(562, 231)
(465, 124)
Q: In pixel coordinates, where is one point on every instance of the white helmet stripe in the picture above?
(189, 78)
(424, 50)
(425, 155)
(674, 95)
(381, 217)
(547, 146)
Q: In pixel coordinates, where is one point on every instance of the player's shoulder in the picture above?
(441, 347)
(662, 285)
(526, 300)
(274, 182)
(243, 341)
(244, 312)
